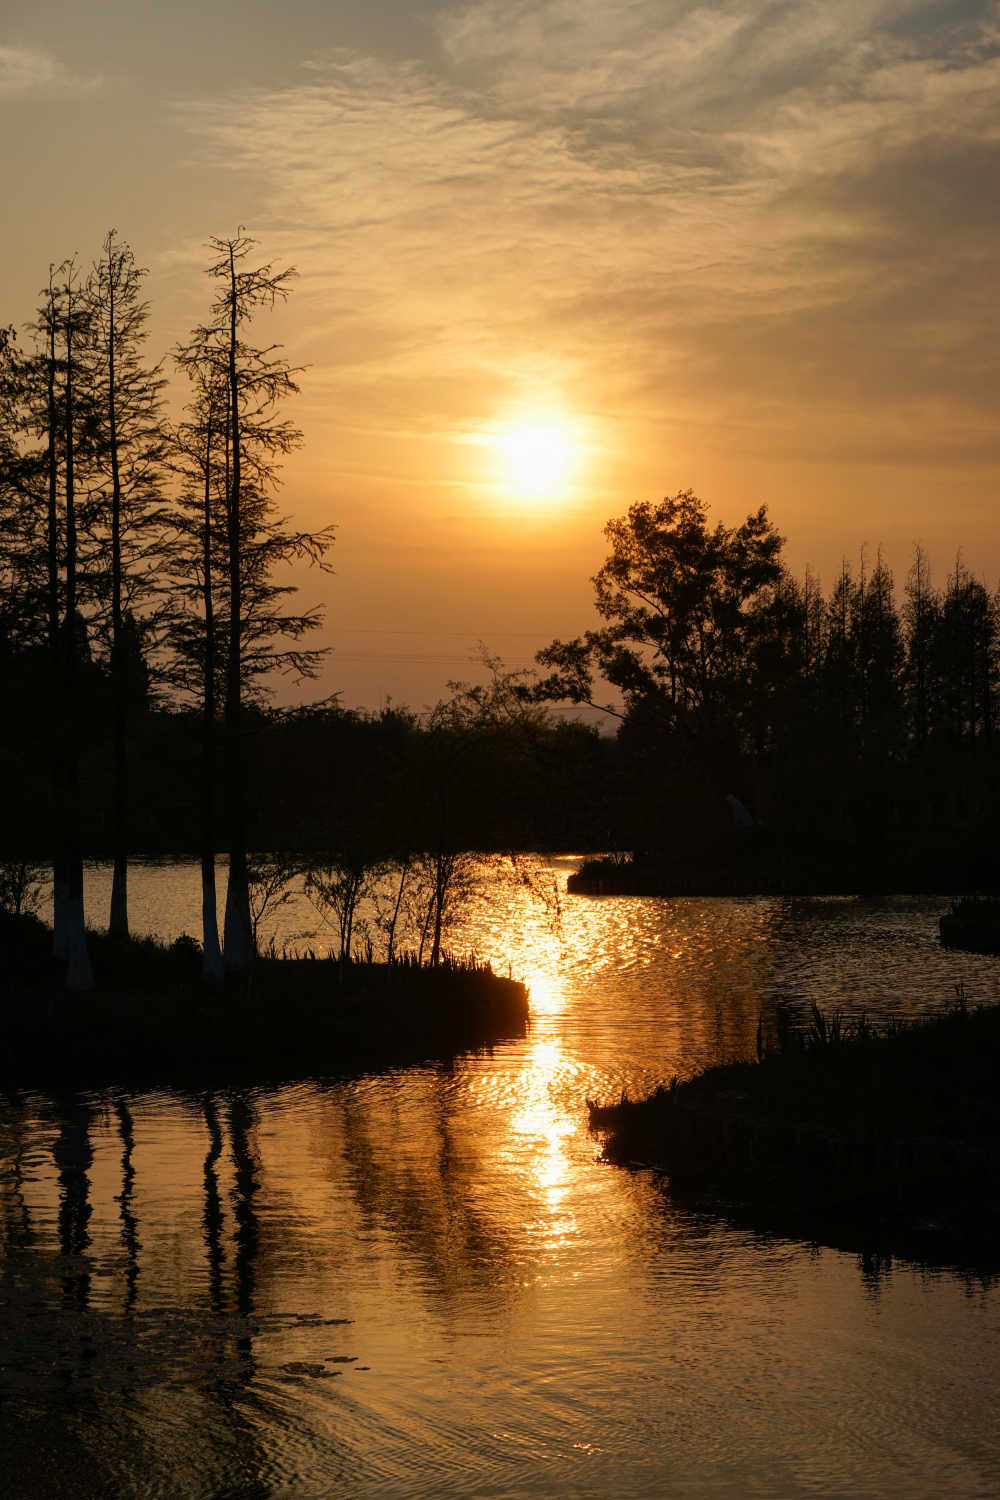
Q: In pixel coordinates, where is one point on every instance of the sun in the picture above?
(536, 458)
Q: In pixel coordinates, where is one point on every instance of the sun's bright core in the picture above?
(537, 458)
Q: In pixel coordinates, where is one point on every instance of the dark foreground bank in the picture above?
(149, 1017)
(973, 924)
(894, 1135)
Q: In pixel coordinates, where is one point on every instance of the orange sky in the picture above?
(749, 249)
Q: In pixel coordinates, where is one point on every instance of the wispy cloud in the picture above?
(26, 70)
(748, 213)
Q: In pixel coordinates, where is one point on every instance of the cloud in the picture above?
(26, 70)
(719, 209)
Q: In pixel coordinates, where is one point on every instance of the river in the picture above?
(424, 1282)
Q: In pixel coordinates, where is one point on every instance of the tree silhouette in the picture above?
(129, 441)
(201, 460)
(258, 632)
(684, 604)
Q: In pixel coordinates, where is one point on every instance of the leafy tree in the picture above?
(20, 887)
(685, 606)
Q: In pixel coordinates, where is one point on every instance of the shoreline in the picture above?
(150, 1017)
(891, 1138)
(742, 869)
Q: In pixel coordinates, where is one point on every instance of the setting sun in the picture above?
(536, 457)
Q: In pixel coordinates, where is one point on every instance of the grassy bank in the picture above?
(895, 1133)
(755, 862)
(149, 1017)
(973, 924)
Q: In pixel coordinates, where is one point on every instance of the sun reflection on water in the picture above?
(428, 1263)
(545, 993)
(542, 1128)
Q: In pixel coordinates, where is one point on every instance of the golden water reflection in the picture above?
(542, 1123)
(546, 993)
(422, 1281)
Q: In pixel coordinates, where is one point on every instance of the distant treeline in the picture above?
(863, 714)
(324, 780)
(858, 720)
(861, 724)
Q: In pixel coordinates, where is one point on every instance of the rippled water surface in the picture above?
(424, 1282)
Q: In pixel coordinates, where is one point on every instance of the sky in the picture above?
(554, 257)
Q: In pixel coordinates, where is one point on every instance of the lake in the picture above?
(425, 1282)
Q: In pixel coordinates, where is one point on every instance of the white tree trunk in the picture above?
(238, 940)
(118, 923)
(79, 975)
(60, 913)
(211, 964)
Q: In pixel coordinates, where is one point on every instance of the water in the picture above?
(424, 1282)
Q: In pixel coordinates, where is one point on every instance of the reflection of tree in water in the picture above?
(17, 1227)
(876, 1266)
(712, 1240)
(212, 1215)
(130, 1227)
(427, 1204)
(246, 1186)
(160, 1390)
(73, 1156)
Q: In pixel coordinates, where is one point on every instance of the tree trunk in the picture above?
(238, 950)
(439, 900)
(60, 941)
(211, 964)
(78, 971)
(78, 974)
(60, 909)
(118, 921)
(211, 968)
(390, 943)
(238, 940)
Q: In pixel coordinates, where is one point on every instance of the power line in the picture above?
(460, 635)
(441, 661)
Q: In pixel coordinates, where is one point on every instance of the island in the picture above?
(890, 1135)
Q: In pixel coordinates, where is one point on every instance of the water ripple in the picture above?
(423, 1281)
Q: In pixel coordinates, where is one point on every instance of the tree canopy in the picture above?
(686, 607)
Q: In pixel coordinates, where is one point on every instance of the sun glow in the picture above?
(536, 457)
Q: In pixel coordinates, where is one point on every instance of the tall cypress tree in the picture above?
(129, 441)
(72, 325)
(921, 609)
(258, 633)
(200, 455)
